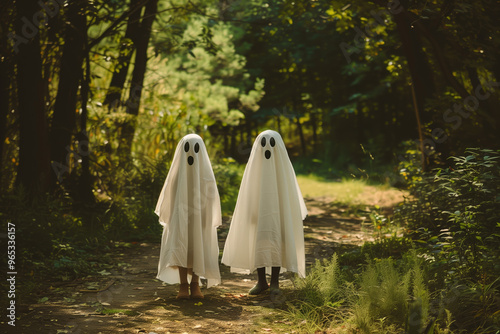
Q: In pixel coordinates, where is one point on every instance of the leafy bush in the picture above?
(455, 213)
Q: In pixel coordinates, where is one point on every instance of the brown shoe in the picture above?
(195, 291)
(183, 291)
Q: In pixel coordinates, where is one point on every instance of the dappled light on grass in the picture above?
(350, 192)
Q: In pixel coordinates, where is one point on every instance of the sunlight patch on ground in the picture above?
(350, 192)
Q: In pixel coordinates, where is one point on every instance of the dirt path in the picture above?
(126, 297)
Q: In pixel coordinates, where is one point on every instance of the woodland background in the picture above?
(95, 94)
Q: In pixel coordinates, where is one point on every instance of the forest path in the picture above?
(126, 297)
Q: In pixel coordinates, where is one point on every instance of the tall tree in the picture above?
(137, 81)
(127, 46)
(6, 73)
(422, 83)
(70, 74)
(34, 165)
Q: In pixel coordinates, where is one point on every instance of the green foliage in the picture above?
(52, 240)
(455, 212)
(396, 294)
(209, 66)
(228, 175)
(472, 306)
(453, 216)
(321, 294)
(387, 296)
(323, 283)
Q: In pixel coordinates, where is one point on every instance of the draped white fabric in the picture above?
(189, 210)
(266, 229)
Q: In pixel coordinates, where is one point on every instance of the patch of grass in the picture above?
(349, 192)
(345, 191)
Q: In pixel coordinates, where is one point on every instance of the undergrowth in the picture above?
(386, 295)
(442, 276)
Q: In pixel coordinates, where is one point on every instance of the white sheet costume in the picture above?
(189, 210)
(266, 229)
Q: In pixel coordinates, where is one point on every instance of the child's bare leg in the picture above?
(184, 286)
(195, 287)
(183, 275)
(261, 285)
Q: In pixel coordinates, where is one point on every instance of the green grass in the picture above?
(349, 191)
(345, 191)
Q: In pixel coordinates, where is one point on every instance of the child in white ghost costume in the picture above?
(266, 230)
(189, 210)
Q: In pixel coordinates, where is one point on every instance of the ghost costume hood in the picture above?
(189, 210)
(266, 229)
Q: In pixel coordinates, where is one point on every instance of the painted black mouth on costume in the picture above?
(267, 154)
(190, 160)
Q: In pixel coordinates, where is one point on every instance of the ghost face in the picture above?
(268, 143)
(193, 172)
(191, 147)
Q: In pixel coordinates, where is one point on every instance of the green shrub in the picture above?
(228, 175)
(455, 213)
(323, 285)
(320, 296)
(387, 296)
(392, 294)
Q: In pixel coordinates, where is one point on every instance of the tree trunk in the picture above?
(233, 151)
(314, 125)
(114, 93)
(441, 60)
(141, 58)
(34, 163)
(65, 107)
(301, 135)
(421, 78)
(6, 74)
(85, 185)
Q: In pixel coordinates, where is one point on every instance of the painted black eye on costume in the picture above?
(263, 141)
(272, 142)
(190, 160)
(186, 146)
(196, 147)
